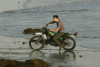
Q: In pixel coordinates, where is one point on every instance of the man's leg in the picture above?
(56, 36)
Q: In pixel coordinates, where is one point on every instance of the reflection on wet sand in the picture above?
(55, 58)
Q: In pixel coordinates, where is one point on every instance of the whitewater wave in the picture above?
(47, 4)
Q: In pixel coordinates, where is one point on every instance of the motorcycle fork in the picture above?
(37, 42)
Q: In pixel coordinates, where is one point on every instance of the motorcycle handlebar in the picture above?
(46, 26)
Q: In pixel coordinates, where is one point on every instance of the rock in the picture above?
(23, 43)
(80, 56)
(27, 63)
(31, 31)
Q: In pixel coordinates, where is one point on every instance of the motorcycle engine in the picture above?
(54, 44)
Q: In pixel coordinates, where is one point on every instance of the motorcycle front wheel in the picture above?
(69, 44)
(36, 43)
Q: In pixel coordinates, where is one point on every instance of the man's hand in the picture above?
(47, 25)
(49, 30)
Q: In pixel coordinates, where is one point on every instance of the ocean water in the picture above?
(82, 16)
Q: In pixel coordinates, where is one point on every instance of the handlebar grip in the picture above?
(47, 29)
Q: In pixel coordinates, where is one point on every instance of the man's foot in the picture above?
(60, 47)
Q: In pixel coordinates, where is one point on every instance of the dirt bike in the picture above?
(45, 37)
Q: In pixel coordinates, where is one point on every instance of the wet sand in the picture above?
(19, 50)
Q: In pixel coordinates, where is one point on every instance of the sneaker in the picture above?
(60, 47)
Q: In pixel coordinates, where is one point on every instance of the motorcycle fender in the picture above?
(38, 33)
(73, 36)
(44, 37)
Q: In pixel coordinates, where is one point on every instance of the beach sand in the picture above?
(18, 49)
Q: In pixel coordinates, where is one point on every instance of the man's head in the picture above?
(56, 18)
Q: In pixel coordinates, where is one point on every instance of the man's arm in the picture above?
(55, 29)
(51, 22)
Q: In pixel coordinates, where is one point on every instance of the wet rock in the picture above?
(24, 43)
(14, 42)
(65, 62)
(9, 66)
(80, 56)
(27, 63)
(30, 31)
(77, 52)
(18, 41)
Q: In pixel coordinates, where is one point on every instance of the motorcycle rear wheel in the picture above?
(69, 44)
(36, 43)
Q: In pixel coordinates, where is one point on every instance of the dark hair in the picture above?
(56, 16)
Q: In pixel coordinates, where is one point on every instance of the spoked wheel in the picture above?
(69, 43)
(36, 43)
